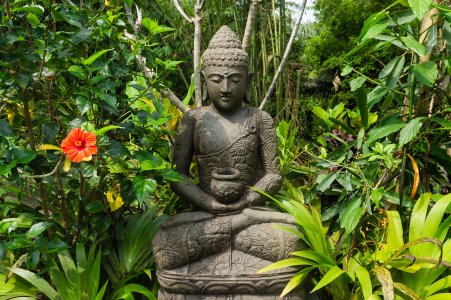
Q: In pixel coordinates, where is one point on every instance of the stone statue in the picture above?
(214, 251)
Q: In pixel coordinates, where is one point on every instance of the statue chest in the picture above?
(214, 135)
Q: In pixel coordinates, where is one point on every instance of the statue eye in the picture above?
(215, 79)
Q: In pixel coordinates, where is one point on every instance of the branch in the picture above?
(181, 11)
(197, 20)
(249, 24)
(285, 56)
(174, 100)
(48, 174)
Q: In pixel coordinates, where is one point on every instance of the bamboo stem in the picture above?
(249, 24)
(197, 20)
(285, 56)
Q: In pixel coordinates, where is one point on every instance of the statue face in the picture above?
(226, 86)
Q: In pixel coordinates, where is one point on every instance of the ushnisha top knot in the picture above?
(225, 49)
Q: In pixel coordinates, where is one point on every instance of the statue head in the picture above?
(225, 70)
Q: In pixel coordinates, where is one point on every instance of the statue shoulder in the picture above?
(191, 116)
(265, 121)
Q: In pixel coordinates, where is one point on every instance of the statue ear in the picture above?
(204, 87)
(247, 95)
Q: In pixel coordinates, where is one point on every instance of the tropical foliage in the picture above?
(86, 133)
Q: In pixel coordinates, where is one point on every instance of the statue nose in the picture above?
(225, 87)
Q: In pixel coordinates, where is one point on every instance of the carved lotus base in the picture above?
(230, 275)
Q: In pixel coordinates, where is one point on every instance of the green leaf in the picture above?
(414, 45)
(83, 104)
(388, 67)
(35, 9)
(133, 287)
(426, 72)
(330, 276)
(324, 181)
(351, 215)
(365, 281)
(346, 70)
(23, 156)
(418, 217)
(295, 281)
(420, 7)
(362, 103)
(95, 56)
(357, 83)
(285, 263)
(38, 228)
(77, 71)
(373, 26)
(439, 285)
(395, 231)
(143, 188)
(393, 77)
(435, 216)
(37, 281)
(376, 195)
(105, 129)
(410, 131)
(382, 131)
(33, 19)
(5, 129)
(153, 26)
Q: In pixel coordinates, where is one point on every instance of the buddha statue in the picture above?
(213, 251)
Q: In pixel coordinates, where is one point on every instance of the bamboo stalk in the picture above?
(197, 20)
(285, 56)
(250, 23)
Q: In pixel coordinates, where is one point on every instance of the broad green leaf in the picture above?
(32, 8)
(389, 67)
(38, 228)
(23, 156)
(343, 125)
(295, 281)
(362, 104)
(351, 215)
(414, 45)
(386, 281)
(439, 285)
(392, 80)
(143, 188)
(395, 231)
(426, 72)
(33, 19)
(410, 131)
(83, 104)
(420, 7)
(418, 217)
(325, 181)
(365, 281)
(357, 83)
(435, 216)
(5, 129)
(95, 56)
(37, 281)
(153, 26)
(376, 195)
(330, 276)
(382, 131)
(346, 70)
(105, 129)
(77, 71)
(373, 26)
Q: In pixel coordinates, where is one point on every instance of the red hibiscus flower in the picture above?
(79, 145)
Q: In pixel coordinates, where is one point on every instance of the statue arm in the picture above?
(271, 182)
(182, 157)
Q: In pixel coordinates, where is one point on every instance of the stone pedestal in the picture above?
(229, 275)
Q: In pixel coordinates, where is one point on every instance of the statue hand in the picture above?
(218, 208)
